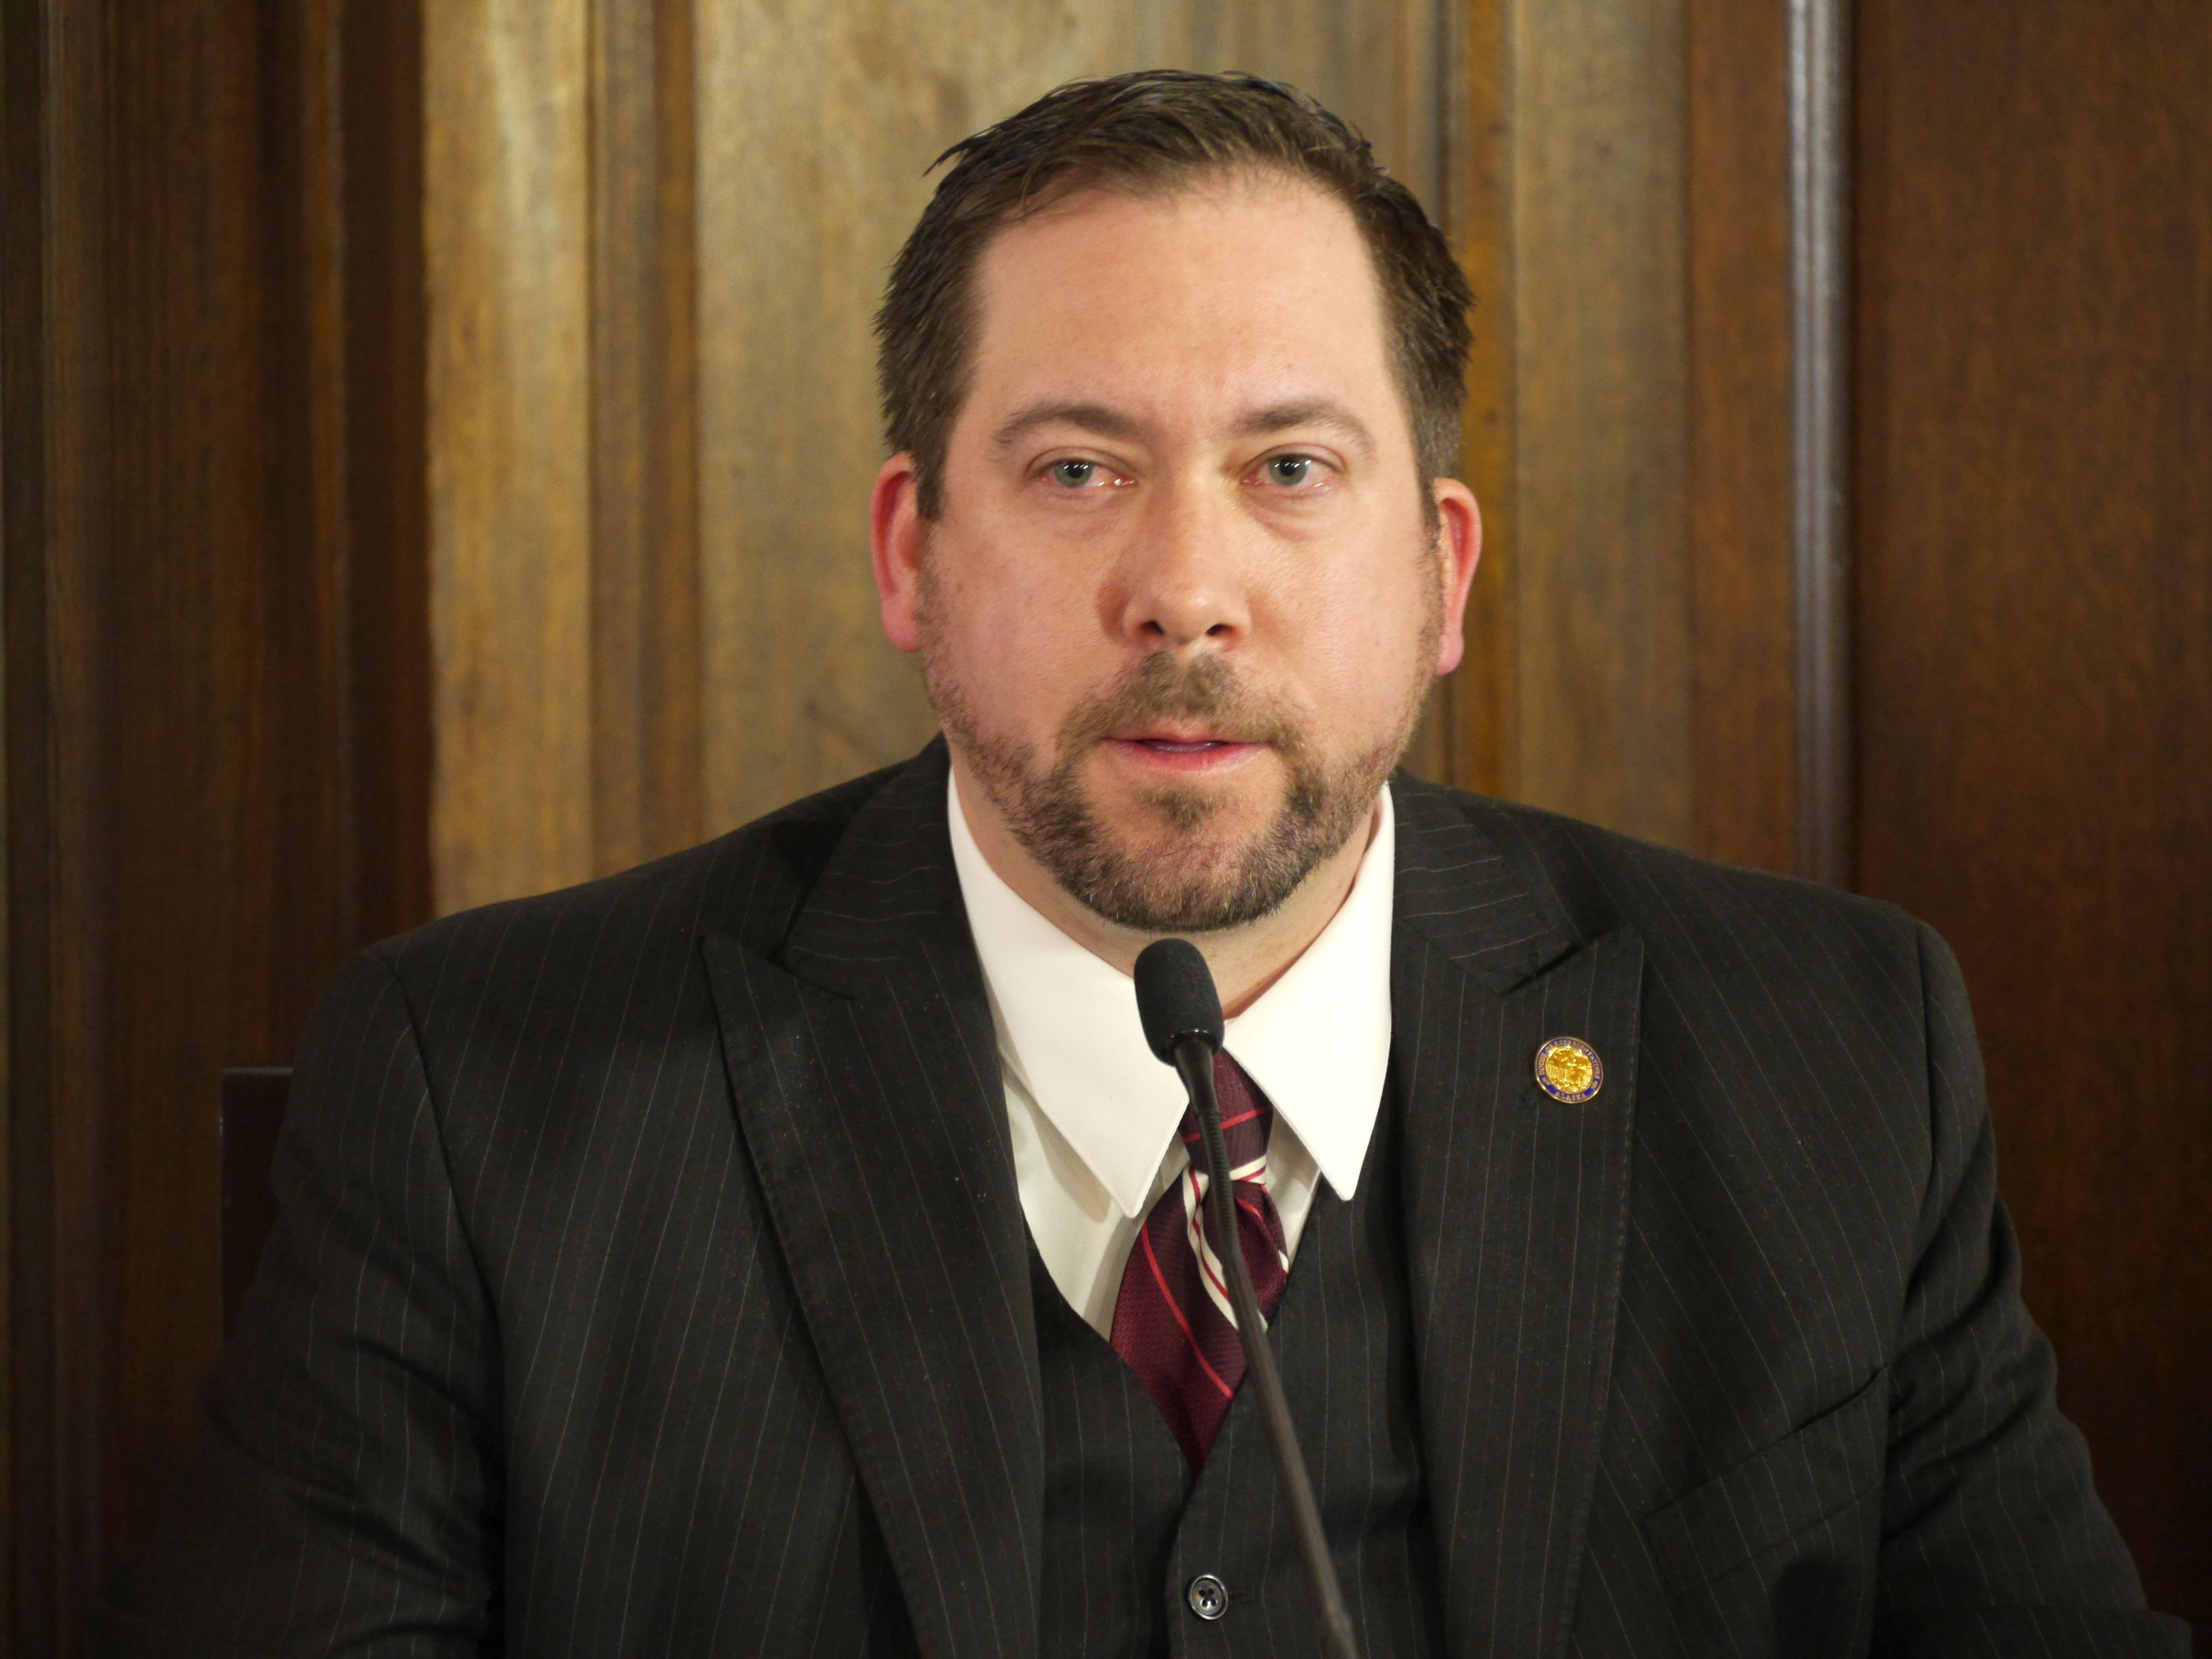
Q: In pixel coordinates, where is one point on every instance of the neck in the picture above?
(1245, 961)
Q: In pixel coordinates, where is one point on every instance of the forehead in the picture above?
(1231, 289)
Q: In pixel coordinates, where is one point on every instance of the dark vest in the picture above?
(1127, 1528)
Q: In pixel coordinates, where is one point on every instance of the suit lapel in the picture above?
(1515, 1205)
(867, 1084)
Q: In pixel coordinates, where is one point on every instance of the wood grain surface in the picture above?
(507, 210)
(387, 745)
(1482, 731)
(2034, 259)
(1743, 737)
(646, 752)
(202, 583)
(1570, 221)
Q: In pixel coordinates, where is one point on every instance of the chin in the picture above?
(1185, 847)
(1184, 860)
(1227, 814)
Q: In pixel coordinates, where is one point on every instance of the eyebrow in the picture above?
(1110, 422)
(1307, 412)
(1090, 418)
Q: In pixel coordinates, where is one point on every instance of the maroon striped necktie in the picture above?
(1173, 1322)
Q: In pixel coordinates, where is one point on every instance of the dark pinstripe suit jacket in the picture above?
(652, 1279)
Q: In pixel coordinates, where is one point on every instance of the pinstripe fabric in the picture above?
(1827, 1418)
(1115, 1485)
(651, 1279)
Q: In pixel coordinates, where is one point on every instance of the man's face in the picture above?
(1185, 596)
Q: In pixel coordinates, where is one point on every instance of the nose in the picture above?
(1182, 585)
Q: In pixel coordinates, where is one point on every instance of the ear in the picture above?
(1459, 549)
(895, 545)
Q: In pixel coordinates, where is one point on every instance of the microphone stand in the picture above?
(1193, 1060)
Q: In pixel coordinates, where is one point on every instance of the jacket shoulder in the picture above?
(748, 883)
(1590, 880)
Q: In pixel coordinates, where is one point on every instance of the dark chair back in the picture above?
(252, 1111)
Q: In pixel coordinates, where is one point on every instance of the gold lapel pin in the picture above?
(1569, 1070)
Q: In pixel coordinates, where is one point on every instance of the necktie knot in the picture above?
(1248, 1118)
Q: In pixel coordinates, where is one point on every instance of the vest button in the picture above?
(1208, 1596)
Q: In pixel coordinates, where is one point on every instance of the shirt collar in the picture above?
(1317, 1041)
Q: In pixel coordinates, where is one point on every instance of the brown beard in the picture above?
(1186, 883)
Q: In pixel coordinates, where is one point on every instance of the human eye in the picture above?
(1292, 472)
(1077, 472)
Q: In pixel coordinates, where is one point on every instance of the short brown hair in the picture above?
(1149, 131)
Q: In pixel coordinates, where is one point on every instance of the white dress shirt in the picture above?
(1094, 1114)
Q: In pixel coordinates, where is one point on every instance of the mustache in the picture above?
(1157, 687)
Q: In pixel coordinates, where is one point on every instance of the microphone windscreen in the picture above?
(1175, 998)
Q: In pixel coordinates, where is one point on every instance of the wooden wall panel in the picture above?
(1744, 749)
(2034, 367)
(1601, 502)
(1580, 694)
(1622, 181)
(383, 378)
(1474, 725)
(508, 232)
(196, 598)
(645, 684)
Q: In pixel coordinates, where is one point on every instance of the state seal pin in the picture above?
(1569, 1070)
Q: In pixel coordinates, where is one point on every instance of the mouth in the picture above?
(1182, 750)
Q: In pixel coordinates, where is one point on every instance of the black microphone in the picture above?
(1182, 1015)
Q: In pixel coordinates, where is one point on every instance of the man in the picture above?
(786, 1248)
